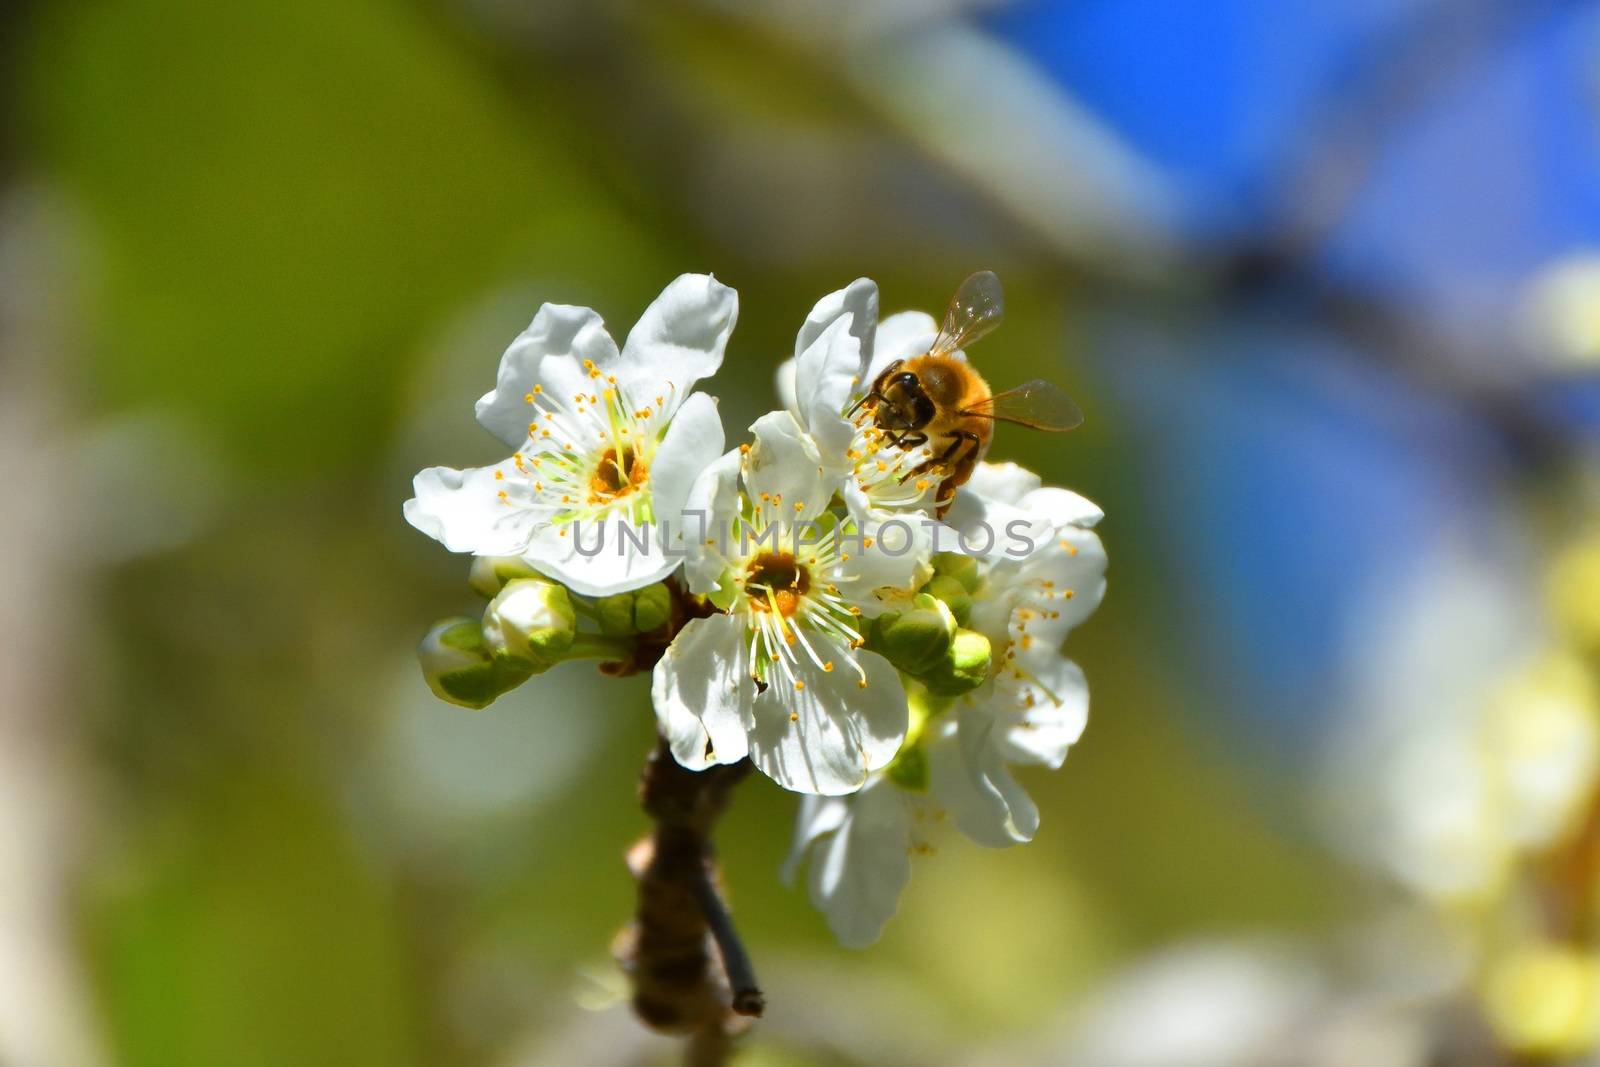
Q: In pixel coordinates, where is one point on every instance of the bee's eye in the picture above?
(924, 409)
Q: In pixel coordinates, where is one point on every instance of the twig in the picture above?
(747, 996)
(667, 952)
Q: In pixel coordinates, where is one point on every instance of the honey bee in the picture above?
(940, 400)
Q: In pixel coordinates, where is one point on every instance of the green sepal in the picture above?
(965, 667)
(916, 640)
(652, 608)
(479, 686)
(954, 594)
(614, 613)
(459, 666)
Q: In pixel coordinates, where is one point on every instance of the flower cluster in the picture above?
(866, 618)
(1475, 788)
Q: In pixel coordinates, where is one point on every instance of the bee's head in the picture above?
(905, 405)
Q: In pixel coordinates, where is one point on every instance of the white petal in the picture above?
(826, 737)
(1061, 506)
(969, 777)
(693, 442)
(598, 557)
(832, 353)
(900, 336)
(784, 382)
(678, 340)
(858, 873)
(549, 353)
(701, 689)
(782, 465)
(817, 817)
(463, 510)
(986, 524)
(707, 515)
(1007, 483)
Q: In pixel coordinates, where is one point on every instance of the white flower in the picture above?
(608, 442)
(957, 758)
(779, 674)
(839, 352)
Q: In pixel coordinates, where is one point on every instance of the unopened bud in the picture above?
(953, 593)
(963, 569)
(614, 613)
(652, 608)
(461, 668)
(964, 668)
(490, 574)
(916, 640)
(531, 622)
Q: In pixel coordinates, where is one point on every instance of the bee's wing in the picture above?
(1036, 404)
(976, 309)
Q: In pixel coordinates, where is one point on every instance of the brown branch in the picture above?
(690, 973)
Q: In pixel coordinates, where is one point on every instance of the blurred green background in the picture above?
(259, 259)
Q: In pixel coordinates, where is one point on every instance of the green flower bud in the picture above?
(964, 668)
(652, 608)
(954, 594)
(917, 640)
(614, 613)
(489, 574)
(530, 622)
(635, 612)
(461, 668)
(963, 569)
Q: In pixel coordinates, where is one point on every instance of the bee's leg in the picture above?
(872, 393)
(874, 396)
(958, 438)
(915, 440)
